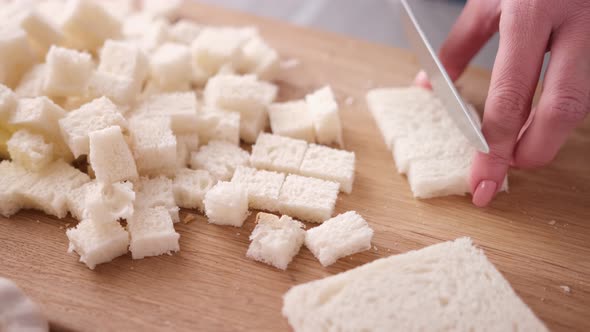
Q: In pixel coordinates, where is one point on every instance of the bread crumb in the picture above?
(188, 219)
(375, 248)
(349, 101)
(542, 299)
(565, 289)
(38, 221)
(238, 234)
(61, 227)
(552, 222)
(290, 63)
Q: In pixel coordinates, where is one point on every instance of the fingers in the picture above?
(514, 79)
(475, 26)
(565, 101)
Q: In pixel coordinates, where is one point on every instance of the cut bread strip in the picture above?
(308, 199)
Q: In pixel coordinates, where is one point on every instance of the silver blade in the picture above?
(441, 83)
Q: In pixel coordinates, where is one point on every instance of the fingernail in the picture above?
(422, 80)
(484, 193)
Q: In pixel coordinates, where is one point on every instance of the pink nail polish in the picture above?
(484, 193)
(422, 80)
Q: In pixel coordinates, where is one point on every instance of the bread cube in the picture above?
(89, 23)
(308, 199)
(329, 164)
(190, 187)
(292, 119)
(30, 150)
(13, 178)
(170, 65)
(263, 187)
(77, 125)
(68, 72)
(31, 84)
(121, 9)
(277, 153)
(17, 56)
(154, 144)
(275, 241)
(154, 192)
(168, 9)
(190, 141)
(110, 156)
(324, 110)
(217, 125)
(440, 177)
(7, 103)
(109, 202)
(180, 107)
(226, 204)
(260, 59)
(124, 58)
(76, 198)
(119, 89)
(136, 24)
(40, 30)
(98, 243)
(40, 115)
(251, 125)
(152, 233)
(217, 46)
(184, 31)
(220, 159)
(157, 33)
(343, 235)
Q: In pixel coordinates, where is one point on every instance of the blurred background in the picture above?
(373, 20)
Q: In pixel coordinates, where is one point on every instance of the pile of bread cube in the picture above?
(120, 117)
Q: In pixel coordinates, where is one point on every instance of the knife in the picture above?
(442, 85)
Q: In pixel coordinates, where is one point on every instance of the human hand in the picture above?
(528, 28)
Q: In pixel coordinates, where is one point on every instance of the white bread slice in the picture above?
(98, 243)
(278, 153)
(68, 72)
(217, 125)
(13, 178)
(110, 156)
(448, 286)
(326, 118)
(119, 89)
(227, 204)
(275, 241)
(152, 233)
(110, 202)
(7, 103)
(292, 119)
(98, 114)
(190, 187)
(217, 46)
(124, 58)
(154, 192)
(17, 56)
(258, 58)
(30, 150)
(343, 235)
(31, 84)
(180, 107)
(220, 159)
(154, 144)
(329, 164)
(170, 65)
(184, 31)
(263, 187)
(308, 199)
(89, 23)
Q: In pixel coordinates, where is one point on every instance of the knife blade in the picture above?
(442, 85)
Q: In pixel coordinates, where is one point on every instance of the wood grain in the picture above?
(210, 285)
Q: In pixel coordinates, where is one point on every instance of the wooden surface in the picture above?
(210, 285)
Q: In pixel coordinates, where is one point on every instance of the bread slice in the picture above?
(278, 153)
(326, 118)
(275, 241)
(263, 187)
(152, 233)
(220, 159)
(217, 46)
(154, 192)
(17, 55)
(184, 31)
(154, 144)
(30, 150)
(68, 72)
(190, 187)
(7, 103)
(227, 204)
(180, 107)
(258, 58)
(89, 23)
(77, 125)
(329, 164)
(292, 119)
(110, 202)
(308, 199)
(170, 65)
(453, 284)
(110, 156)
(98, 243)
(343, 235)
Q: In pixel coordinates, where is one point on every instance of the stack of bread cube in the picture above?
(152, 112)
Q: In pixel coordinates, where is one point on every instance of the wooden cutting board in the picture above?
(210, 285)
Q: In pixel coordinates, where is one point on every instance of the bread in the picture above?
(121, 9)
(156, 34)
(326, 120)
(308, 199)
(217, 125)
(182, 157)
(154, 192)
(167, 9)
(184, 31)
(136, 24)
(76, 198)
(251, 125)
(170, 65)
(190, 141)
(216, 46)
(7, 103)
(98, 243)
(98, 114)
(292, 119)
(343, 235)
(40, 31)
(190, 187)
(109, 202)
(329, 164)
(89, 23)
(277, 153)
(4, 137)
(227, 204)
(30, 150)
(275, 241)
(220, 159)
(258, 58)
(119, 89)
(110, 156)
(13, 178)
(263, 187)
(39, 115)
(68, 72)
(31, 84)
(180, 107)
(154, 144)
(152, 233)
(452, 284)
(125, 59)
(17, 56)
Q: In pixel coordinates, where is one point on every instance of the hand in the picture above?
(528, 28)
